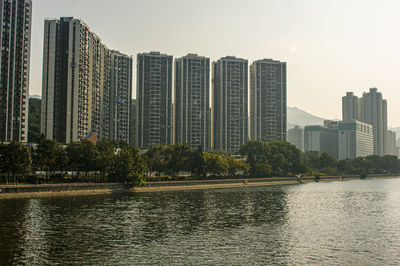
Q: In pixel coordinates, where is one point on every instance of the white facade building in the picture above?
(356, 139)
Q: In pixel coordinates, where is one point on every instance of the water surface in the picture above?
(353, 222)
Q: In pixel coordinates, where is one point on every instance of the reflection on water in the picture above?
(353, 222)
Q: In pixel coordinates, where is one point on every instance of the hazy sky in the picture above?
(330, 46)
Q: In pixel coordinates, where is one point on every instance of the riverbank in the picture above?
(53, 190)
(244, 182)
(56, 190)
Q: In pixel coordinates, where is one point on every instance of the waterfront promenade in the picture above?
(43, 190)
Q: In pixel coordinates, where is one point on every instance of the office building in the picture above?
(192, 101)
(295, 136)
(86, 87)
(350, 107)
(390, 143)
(154, 100)
(321, 139)
(374, 112)
(230, 121)
(15, 46)
(356, 139)
(268, 100)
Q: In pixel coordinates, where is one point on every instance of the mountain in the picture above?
(296, 116)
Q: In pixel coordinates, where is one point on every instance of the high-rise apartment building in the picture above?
(374, 112)
(192, 101)
(154, 100)
(350, 107)
(296, 137)
(230, 120)
(15, 45)
(80, 92)
(268, 100)
(356, 139)
(120, 96)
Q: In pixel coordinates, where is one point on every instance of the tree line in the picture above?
(109, 161)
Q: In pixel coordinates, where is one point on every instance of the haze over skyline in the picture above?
(330, 47)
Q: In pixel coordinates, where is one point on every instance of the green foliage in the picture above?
(262, 169)
(276, 158)
(236, 167)
(179, 156)
(129, 166)
(123, 163)
(157, 158)
(317, 163)
(106, 157)
(15, 159)
(372, 164)
(215, 163)
(47, 156)
(82, 156)
(197, 163)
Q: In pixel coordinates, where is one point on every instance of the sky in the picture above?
(330, 46)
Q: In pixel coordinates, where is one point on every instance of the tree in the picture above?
(317, 163)
(179, 156)
(82, 157)
(107, 156)
(311, 159)
(215, 163)
(262, 169)
(157, 158)
(3, 160)
(129, 166)
(278, 158)
(235, 166)
(45, 157)
(326, 162)
(17, 160)
(256, 152)
(197, 164)
(391, 164)
(284, 158)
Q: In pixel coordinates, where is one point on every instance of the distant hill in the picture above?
(296, 116)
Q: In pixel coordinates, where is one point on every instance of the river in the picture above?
(343, 223)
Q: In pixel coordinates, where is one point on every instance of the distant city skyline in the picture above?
(329, 50)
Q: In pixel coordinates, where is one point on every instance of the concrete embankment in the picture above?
(50, 190)
(43, 190)
(241, 182)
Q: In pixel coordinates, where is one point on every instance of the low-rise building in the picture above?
(296, 137)
(321, 139)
